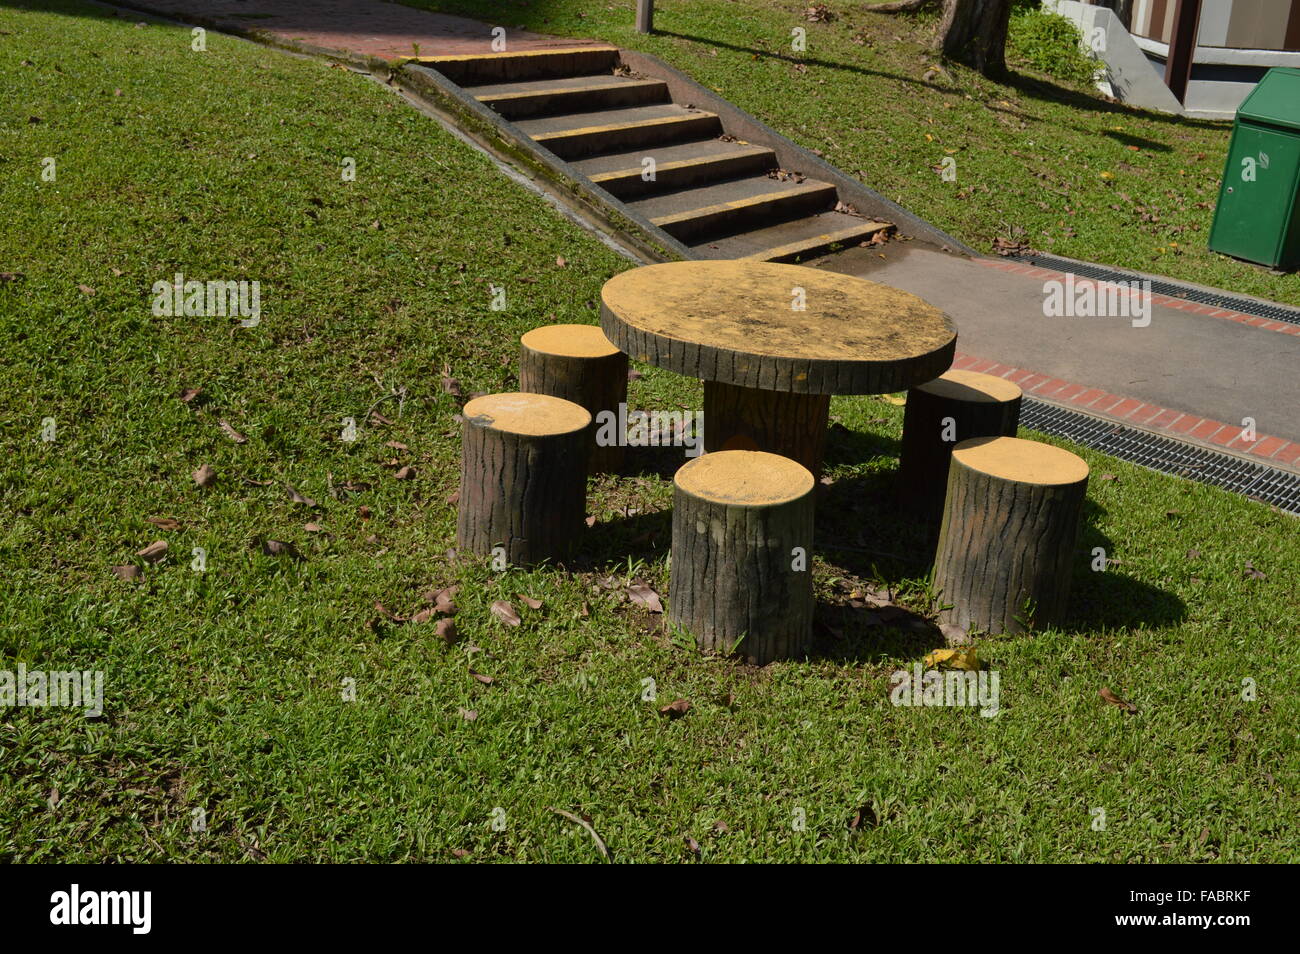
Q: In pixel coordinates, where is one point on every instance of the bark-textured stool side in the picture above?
(1010, 527)
(577, 363)
(523, 483)
(741, 579)
(979, 405)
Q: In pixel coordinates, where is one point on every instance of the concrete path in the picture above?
(368, 27)
(1194, 372)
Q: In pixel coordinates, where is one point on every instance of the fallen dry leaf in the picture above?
(233, 434)
(280, 548)
(469, 715)
(443, 600)
(692, 845)
(1253, 574)
(1108, 477)
(164, 523)
(153, 552)
(1117, 701)
(676, 709)
(486, 680)
(189, 394)
(85, 289)
(204, 476)
(311, 527)
(446, 630)
(396, 445)
(454, 498)
(127, 572)
(406, 473)
(505, 612)
(531, 603)
(963, 658)
(645, 596)
(591, 521)
(298, 498)
(559, 260)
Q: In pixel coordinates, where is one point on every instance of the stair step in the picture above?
(531, 64)
(798, 239)
(569, 94)
(692, 215)
(676, 167)
(575, 135)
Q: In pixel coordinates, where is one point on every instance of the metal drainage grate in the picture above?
(1257, 481)
(1173, 289)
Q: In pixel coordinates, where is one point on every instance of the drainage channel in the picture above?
(1265, 484)
(1246, 306)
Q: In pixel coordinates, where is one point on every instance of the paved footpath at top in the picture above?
(1195, 373)
(370, 27)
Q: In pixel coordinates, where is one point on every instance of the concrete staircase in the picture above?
(716, 194)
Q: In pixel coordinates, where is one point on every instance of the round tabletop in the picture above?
(741, 323)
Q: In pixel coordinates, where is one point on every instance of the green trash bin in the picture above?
(1258, 216)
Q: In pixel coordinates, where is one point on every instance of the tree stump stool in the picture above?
(955, 407)
(523, 476)
(742, 535)
(577, 363)
(1009, 531)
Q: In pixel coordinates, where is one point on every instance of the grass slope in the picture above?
(224, 688)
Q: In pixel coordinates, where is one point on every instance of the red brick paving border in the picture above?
(1266, 449)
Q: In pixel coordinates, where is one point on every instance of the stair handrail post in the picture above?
(645, 16)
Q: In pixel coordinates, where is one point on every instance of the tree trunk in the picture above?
(974, 32)
(523, 483)
(1010, 527)
(741, 577)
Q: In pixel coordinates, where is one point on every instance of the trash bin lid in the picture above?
(1275, 101)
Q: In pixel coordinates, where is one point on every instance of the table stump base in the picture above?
(775, 422)
(741, 579)
(1010, 527)
(523, 483)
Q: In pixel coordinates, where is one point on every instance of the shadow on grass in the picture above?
(1110, 599)
(807, 61)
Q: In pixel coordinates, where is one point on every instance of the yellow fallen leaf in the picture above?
(962, 657)
(892, 399)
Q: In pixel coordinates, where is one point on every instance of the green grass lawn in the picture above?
(1040, 160)
(224, 689)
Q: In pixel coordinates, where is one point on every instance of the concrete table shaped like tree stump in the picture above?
(773, 342)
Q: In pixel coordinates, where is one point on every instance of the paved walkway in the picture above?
(370, 27)
(1194, 372)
